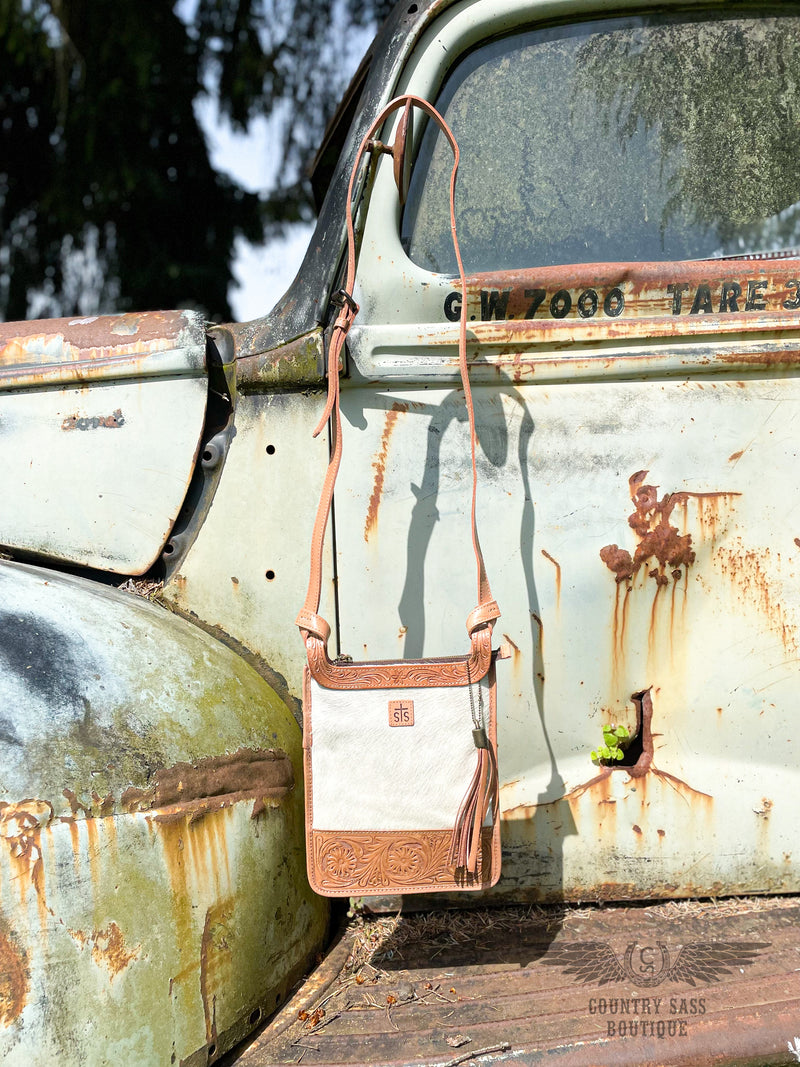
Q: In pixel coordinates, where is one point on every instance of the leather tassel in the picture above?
(482, 791)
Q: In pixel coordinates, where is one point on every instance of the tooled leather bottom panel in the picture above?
(364, 863)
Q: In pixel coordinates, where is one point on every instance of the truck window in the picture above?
(647, 138)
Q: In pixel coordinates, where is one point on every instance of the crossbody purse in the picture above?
(400, 757)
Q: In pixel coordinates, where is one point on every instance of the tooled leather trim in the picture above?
(403, 861)
(417, 674)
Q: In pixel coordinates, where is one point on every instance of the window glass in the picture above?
(633, 139)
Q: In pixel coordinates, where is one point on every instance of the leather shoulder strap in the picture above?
(311, 624)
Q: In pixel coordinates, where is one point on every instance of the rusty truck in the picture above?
(628, 206)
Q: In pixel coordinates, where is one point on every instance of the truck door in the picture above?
(628, 206)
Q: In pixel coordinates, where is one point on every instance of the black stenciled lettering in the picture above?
(536, 296)
(792, 303)
(452, 307)
(560, 304)
(494, 303)
(587, 303)
(702, 301)
(755, 301)
(731, 291)
(677, 289)
(614, 303)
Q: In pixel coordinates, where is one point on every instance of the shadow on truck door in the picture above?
(506, 430)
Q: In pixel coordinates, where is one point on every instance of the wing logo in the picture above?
(648, 966)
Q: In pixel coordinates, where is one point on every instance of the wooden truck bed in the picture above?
(714, 982)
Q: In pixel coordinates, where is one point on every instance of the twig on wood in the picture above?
(303, 1050)
(504, 1046)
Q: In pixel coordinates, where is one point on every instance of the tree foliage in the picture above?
(108, 197)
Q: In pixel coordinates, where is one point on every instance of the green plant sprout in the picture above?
(615, 741)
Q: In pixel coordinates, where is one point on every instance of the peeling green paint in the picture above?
(297, 363)
(159, 932)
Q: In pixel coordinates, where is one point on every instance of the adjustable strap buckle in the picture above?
(341, 298)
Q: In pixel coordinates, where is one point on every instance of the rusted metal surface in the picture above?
(245, 775)
(80, 422)
(379, 467)
(635, 451)
(679, 984)
(51, 351)
(704, 605)
(298, 363)
(601, 293)
(149, 849)
(682, 605)
(659, 541)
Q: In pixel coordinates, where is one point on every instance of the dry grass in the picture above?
(143, 587)
(376, 939)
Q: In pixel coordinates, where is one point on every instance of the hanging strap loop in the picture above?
(311, 624)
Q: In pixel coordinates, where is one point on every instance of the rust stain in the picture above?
(640, 751)
(515, 649)
(110, 951)
(659, 541)
(557, 566)
(734, 456)
(663, 552)
(215, 961)
(95, 337)
(195, 855)
(93, 851)
(379, 467)
(607, 296)
(82, 422)
(746, 569)
(209, 1000)
(215, 782)
(96, 808)
(21, 826)
(173, 837)
(618, 629)
(777, 358)
(75, 842)
(14, 979)
(510, 647)
(75, 805)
